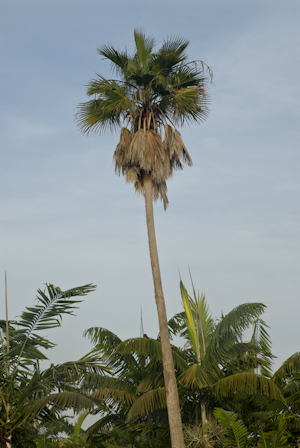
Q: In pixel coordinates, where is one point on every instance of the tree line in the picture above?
(228, 394)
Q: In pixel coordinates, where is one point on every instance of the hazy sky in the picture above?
(67, 219)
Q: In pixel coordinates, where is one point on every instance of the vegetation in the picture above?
(215, 389)
(154, 93)
(228, 395)
(30, 396)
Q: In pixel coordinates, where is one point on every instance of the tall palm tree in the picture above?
(155, 92)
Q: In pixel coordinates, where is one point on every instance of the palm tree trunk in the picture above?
(8, 430)
(174, 416)
(204, 422)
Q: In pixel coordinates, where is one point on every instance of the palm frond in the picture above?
(119, 60)
(262, 339)
(114, 395)
(239, 319)
(193, 331)
(105, 342)
(60, 401)
(170, 56)
(111, 105)
(236, 433)
(199, 322)
(144, 46)
(147, 403)
(108, 421)
(150, 348)
(176, 324)
(289, 369)
(277, 438)
(188, 105)
(248, 383)
(103, 339)
(48, 312)
(195, 377)
(231, 327)
(152, 381)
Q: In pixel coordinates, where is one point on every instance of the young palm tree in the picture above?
(136, 369)
(27, 393)
(155, 92)
(219, 359)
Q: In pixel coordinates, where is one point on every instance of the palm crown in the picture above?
(155, 92)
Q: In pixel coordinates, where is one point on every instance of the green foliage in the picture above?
(215, 370)
(248, 383)
(29, 394)
(155, 91)
(238, 436)
(135, 396)
(277, 438)
(236, 433)
(164, 81)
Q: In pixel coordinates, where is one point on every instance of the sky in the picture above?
(234, 216)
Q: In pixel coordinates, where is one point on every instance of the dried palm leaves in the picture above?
(144, 152)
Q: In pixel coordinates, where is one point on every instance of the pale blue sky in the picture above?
(233, 217)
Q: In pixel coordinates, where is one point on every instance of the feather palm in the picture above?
(27, 393)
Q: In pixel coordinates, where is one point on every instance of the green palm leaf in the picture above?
(48, 313)
(289, 369)
(114, 395)
(152, 381)
(276, 438)
(262, 339)
(150, 348)
(119, 60)
(236, 433)
(144, 47)
(231, 327)
(248, 383)
(147, 403)
(195, 377)
(102, 339)
(198, 321)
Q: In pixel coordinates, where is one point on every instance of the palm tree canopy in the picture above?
(154, 92)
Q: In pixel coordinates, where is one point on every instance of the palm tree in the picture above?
(219, 360)
(136, 368)
(155, 92)
(27, 393)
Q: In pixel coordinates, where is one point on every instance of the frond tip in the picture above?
(50, 308)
